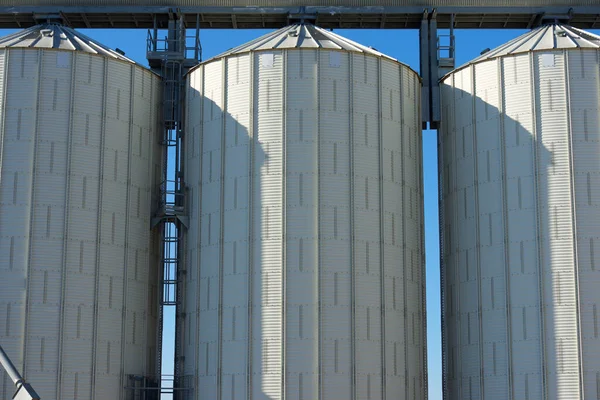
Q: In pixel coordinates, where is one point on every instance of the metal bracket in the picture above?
(57, 18)
(301, 16)
(184, 219)
(24, 390)
(543, 18)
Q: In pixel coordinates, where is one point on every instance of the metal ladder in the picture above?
(172, 56)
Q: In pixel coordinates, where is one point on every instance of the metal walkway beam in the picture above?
(122, 14)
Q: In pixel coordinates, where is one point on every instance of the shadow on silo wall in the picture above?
(224, 254)
(520, 220)
(497, 226)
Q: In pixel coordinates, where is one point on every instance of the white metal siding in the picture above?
(78, 139)
(519, 159)
(305, 240)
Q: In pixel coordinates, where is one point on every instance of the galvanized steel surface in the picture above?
(545, 38)
(305, 254)
(142, 16)
(520, 163)
(79, 160)
(302, 36)
(54, 36)
(291, 3)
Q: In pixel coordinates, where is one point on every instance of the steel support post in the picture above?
(433, 66)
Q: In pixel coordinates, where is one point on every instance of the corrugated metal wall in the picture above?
(79, 160)
(519, 153)
(305, 254)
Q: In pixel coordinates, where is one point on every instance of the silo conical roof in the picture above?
(58, 37)
(544, 38)
(302, 36)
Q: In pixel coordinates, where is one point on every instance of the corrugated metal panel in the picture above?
(295, 3)
(58, 37)
(534, 208)
(74, 250)
(318, 186)
(303, 36)
(544, 38)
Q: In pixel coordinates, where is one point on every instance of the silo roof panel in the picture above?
(58, 37)
(301, 36)
(545, 38)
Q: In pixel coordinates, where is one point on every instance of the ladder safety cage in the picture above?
(153, 387)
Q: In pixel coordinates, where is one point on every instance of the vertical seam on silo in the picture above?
(454, 255)
(423, 283)
(31, 208)
(99, 229)
(441, 223)
(150, 302)
(186, 331)
(147, 286)
(158, 181)
(403, 207)
(198, 264)
(251, 139)
(63, 283)
(507, 264)
(477, 234)
(381, 228)
(283, 226)
(352, 230)
(574, 220)
(318, 215)
(2, 145)
(221, 228)
(3, 106)
(540, 265)
(124, 319)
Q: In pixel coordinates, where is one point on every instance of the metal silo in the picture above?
(305, 275)
(520, 177)
(79, 159)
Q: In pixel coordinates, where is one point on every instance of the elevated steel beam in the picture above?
(105, 14)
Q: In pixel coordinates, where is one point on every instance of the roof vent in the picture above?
(560, 33)
(293, 33)
(121, 52)
(484, 51)
(47, 32)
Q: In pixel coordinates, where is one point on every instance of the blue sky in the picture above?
(402, 45)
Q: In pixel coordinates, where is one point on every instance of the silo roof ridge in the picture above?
(59, 37)
(544, 38)
(301, 36)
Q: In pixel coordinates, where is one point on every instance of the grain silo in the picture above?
(520, 176)
(305, 257)
(79, 155)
